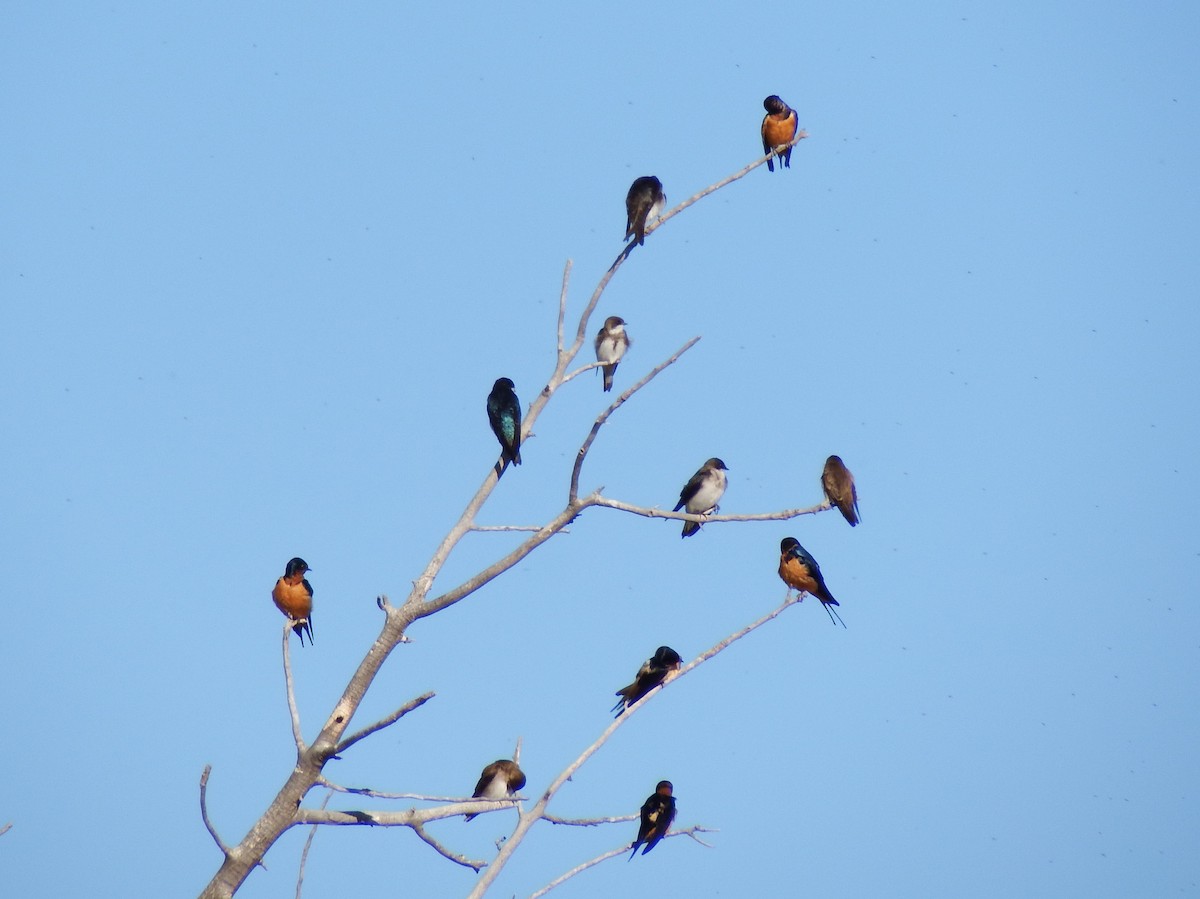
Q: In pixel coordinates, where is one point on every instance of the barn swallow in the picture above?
(702, 493)
(799, 570)
(653, 672)
(293, 596)
(645, 201)
(838, 484)
(658, 811)
(499, 780)
(611, 344)
(504, 415)
(778, 130)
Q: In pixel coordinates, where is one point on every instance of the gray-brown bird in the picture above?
(611, 344)
(499, 780)
(702, 492)
(838, 484)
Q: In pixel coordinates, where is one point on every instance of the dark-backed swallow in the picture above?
(778, 130)
(645, 201)
(499, 780)
(611, 344)
(838, 484)
(654, 671)
(701, 494)
(658, 811)
(504, 415)
(293, 596)
(800, 571)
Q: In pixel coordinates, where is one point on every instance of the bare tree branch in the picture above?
(212, 831)
(7, 827)
(616, 404)
(590, 822)
(511, 528)
(395, 716)
(291, 691)
(381, 794)
(528, 819)
(562, 303)
(645, 512)
(403, 818)
(614, 853)
(695, 198)
(307, 845)
(473, 864)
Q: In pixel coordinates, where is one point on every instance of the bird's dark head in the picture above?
(716, 463)
(502, 383)
(788, 544)
(834, 460)
(774, 105)
(296, 566)
(666, 657)
(613, 322)
(664, 788)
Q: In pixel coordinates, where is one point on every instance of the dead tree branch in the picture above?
(387, 721)
(212, 831)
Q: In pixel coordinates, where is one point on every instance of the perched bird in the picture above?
(500, 779)
(644, 202)
(611, 344)
(653, 672)
(658, 811)
(778, 130)
(702, 493)
(800, 571)
(838, 484)
(293, 596)
(504, 415)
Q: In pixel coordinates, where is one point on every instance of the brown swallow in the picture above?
(778, 131)
(293, 596)
(838, 484)
(645, 201)
(499, 780)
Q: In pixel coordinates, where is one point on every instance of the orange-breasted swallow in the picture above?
(800, 571)
(499, 780)
(701, 494)
(644, 202)
(658, 811)
(654, 671)
(504, 415)
(838, 484)
(611, 344)
(293, 596)
(778, 130)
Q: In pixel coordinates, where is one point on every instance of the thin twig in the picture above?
(581, 370)
(589, 822)
(473, 864)
(562, 302)
(395, 716)
(646, 512)
(212, 831)
(403, 818)
(381, 794)
(291, 692)
(614, 853)
(695, 198)
(616, 404)
(307, 845)
(511, 527)
(7, 827)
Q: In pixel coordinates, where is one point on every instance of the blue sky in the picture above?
(263, 263)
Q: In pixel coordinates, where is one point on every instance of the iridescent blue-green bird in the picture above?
(658, 811)
(504, 415)
(800, 571)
